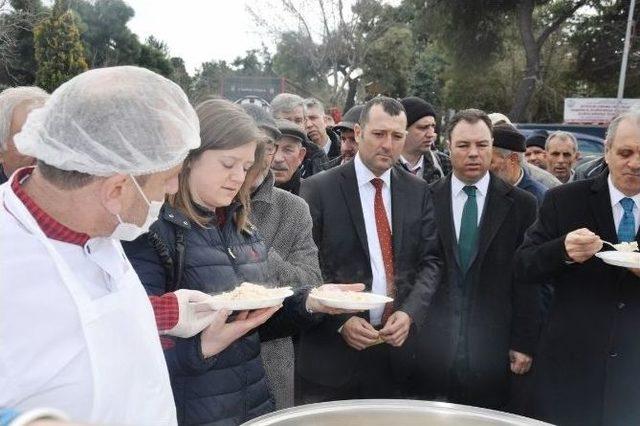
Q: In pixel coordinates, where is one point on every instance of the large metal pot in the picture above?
(386, 412)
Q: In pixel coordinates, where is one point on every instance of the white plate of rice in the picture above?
(625, 259)
(246, 297)
(350, 300)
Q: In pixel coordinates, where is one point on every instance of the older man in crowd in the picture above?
(284, 222)
(482, 325)
(15, 104)
(373, 223)
(287, 106)
(348, 143)
(534, 164)
(508, 160)
(317, 130)
(288, 156)
(562, 154)
(419, 155)
(589, 356)
(96, 182)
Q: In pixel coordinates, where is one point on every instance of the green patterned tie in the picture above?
(468, 227)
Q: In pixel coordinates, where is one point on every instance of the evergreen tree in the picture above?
(58, 49)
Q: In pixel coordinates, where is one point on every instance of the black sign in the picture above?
(234, 88)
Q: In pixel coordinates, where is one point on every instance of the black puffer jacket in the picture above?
(229, 388)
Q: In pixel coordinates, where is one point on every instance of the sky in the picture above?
(199, 30)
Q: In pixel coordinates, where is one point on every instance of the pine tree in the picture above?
(59, 51)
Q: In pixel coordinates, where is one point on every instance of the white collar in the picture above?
(520, 177)
(327, 145)
(364, 175)
(616, 195)
(482, 186)
(408, 165)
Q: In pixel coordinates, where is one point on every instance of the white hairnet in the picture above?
(112, 120)
(10, 99)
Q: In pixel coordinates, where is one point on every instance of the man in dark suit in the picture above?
(482, 324)
(589, 358)
(373, 224)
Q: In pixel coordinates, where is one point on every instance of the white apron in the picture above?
(129, 373)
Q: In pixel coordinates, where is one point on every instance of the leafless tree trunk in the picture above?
(532, 47)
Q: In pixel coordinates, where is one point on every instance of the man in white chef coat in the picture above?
(77, 331)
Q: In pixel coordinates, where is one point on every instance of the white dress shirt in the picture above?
(459, 197)
(327, 145)
(417, 169)
(367, 197)
(618, 210)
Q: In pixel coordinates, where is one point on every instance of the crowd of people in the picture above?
(124, 206)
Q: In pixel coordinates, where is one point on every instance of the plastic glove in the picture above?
(190, 322)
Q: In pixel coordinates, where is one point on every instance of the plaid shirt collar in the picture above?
(51, 227)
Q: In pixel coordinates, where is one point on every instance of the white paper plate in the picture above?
(372, 301)
(620, 258)
(218, 302)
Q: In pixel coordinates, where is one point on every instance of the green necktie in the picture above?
(468, 227)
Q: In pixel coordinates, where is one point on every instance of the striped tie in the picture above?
(386, 244)
(627, 227)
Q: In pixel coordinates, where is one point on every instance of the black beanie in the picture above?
(417, 108)
(538, 138)
(507, 137)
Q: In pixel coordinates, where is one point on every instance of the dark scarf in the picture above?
(293, 186)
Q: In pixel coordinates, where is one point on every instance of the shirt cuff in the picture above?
(166, 311)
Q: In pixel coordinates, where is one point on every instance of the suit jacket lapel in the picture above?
(496, 208)
(444, 214)
(600, 204)
(398, 194)
(349, 186)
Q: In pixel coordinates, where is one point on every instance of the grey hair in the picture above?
(634, 114)
(564, 136)
(285, 103)
(12, 98)
(506, 152)
(313, 103)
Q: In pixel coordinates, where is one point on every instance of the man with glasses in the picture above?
(284, 221)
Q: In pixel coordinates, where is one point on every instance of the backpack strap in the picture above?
(173, 265)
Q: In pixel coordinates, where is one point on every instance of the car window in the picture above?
(587, 146)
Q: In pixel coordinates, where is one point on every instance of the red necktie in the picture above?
(386, 244)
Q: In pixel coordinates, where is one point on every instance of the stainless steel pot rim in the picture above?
(434, 407)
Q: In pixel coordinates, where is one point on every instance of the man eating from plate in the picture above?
(589, 357)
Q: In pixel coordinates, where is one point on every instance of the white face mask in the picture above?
(130, 231)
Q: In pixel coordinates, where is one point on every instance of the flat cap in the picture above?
(263, 119)
(349, 119)
(508, 137)
(292, 130)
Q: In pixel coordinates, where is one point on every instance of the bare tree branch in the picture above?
(560, 19)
